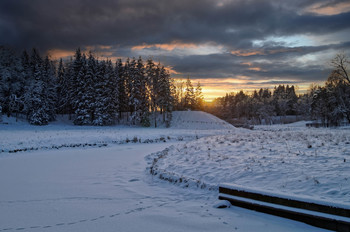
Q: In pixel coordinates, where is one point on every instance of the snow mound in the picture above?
(18, 135)
(198, 120)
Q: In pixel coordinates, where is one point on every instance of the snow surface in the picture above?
(108, 188)
(20, 136)
(313, 163)
(198, 120)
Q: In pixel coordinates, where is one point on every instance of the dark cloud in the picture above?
(72, 23)
(234, 25)
(275, 63)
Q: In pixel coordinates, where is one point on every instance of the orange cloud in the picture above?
(264, 52)
(333, 9)
(251, 67)
(247, 63)
(282, 50)
(100, 51)
(57, 54)
(255, 69)
(248, 52)
(104, 47)
(167, 47)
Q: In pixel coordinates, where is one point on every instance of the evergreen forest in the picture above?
(137, 92)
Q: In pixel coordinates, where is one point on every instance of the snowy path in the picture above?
(107, 189)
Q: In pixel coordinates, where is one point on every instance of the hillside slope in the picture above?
(21, 136)
(198, 120)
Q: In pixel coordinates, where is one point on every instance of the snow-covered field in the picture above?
(20, 136)
(288, 159)
(107, 189)
(66, 178)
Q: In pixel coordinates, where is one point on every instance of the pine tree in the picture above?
(50, 88)
(198, 95)
(134, 83)
(292, 100)
(12, 82)
(105, 95)
(99, 113)
(62, 87)
(178, 88)
(5, 79)
(127, 72)
(165, 99)
(280, 100)
(74, 78)
(35, 102)
(121, 85)
(320, 105)
(189, 99)
(143, 94)
(83, 99)
(112, 91)
(152, 74)
(85, 112)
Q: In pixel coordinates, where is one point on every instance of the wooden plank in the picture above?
(322, 216)
(287, 202)
(317, 221)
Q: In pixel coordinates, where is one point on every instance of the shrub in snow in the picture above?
(135, 139)
(83, 117)
(38, 117)
(145, 121)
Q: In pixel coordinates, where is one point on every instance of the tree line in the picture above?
(329, 104)
(99, 92)
(91, 91)
(188, 97)
(261, 106)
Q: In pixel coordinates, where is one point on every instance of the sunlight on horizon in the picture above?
(212, 90)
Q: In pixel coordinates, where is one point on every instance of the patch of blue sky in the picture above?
(286, 41)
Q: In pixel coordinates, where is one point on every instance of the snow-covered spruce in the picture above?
(92, 91)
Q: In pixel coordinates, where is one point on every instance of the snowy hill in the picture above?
(198, 120)
(191, 120)
(186, 125)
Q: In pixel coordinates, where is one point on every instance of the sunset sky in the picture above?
(227, 45)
